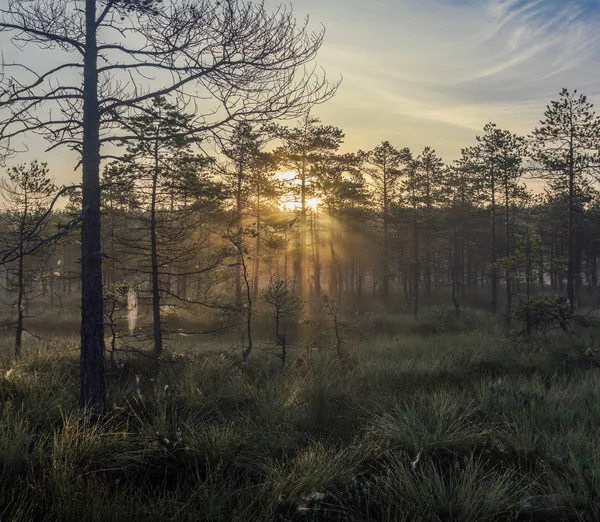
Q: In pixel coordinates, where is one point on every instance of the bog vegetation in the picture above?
(234, 318)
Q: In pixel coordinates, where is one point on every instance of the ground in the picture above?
(464, 425)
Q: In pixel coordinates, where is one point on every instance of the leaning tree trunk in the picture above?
(93, 392)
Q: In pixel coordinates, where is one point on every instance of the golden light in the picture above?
(290, 202)
(312, 204)
(287, 176)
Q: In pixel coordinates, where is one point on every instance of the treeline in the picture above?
(391, 228)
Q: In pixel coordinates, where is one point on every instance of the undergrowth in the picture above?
(459, 426)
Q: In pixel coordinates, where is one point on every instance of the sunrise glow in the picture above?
(312, 204)
(289, 201)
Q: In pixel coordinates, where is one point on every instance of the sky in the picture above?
(433, 72)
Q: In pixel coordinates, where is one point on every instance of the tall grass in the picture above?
(458, 426)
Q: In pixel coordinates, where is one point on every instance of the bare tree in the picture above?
(286, 307)
(227, 60)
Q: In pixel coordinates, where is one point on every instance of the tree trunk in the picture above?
(21, 290)
(256, 274)
(571, 246)
(303, 264)
(417, 268)
(316, 253)
(332, 286)
(494, 251)
(238, 240)
(385, 272)
(456, 272)
(93, 392)
(507, 239)
(428, 238)
(285, 256)
(157, 326)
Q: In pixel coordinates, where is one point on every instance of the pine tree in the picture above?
(27, 191)
(495, 162)
(385, 165)
(169, 180)
(243, 149)
(565, 147)
(430, 193)
(303, 147)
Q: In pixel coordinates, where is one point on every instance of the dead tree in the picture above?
(240, 253)
(226, 60)
(285, 307)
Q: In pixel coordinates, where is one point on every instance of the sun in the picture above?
(314, 204)
(290, 202)
(294, 205)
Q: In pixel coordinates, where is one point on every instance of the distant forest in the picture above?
(209, 237)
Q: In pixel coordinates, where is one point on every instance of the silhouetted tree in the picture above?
(565, 146)
(304, 146)
(170, 180)
(384, 167)
(107, 52)
(27, 191)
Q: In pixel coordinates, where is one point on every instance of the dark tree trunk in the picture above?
(93, 393)
(333, 283)
(428, 239)
(21, 292)
(571, 239)
(494, 250)
(303, 254)
(256, 274)
(359, 282)
(456, 272)
(417, 268)
(385, 272)
(157, 322)
(508, 271)
(316, 254)
(238, 241)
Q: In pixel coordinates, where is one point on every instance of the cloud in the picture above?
(433, 72)
(459, 63)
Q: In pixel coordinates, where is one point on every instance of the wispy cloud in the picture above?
(411, 63)
(433, 72)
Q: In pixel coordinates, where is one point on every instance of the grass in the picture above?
(462, 425)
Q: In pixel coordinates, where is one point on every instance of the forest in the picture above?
(230, 316)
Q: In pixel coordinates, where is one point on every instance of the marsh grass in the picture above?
(462, 425)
